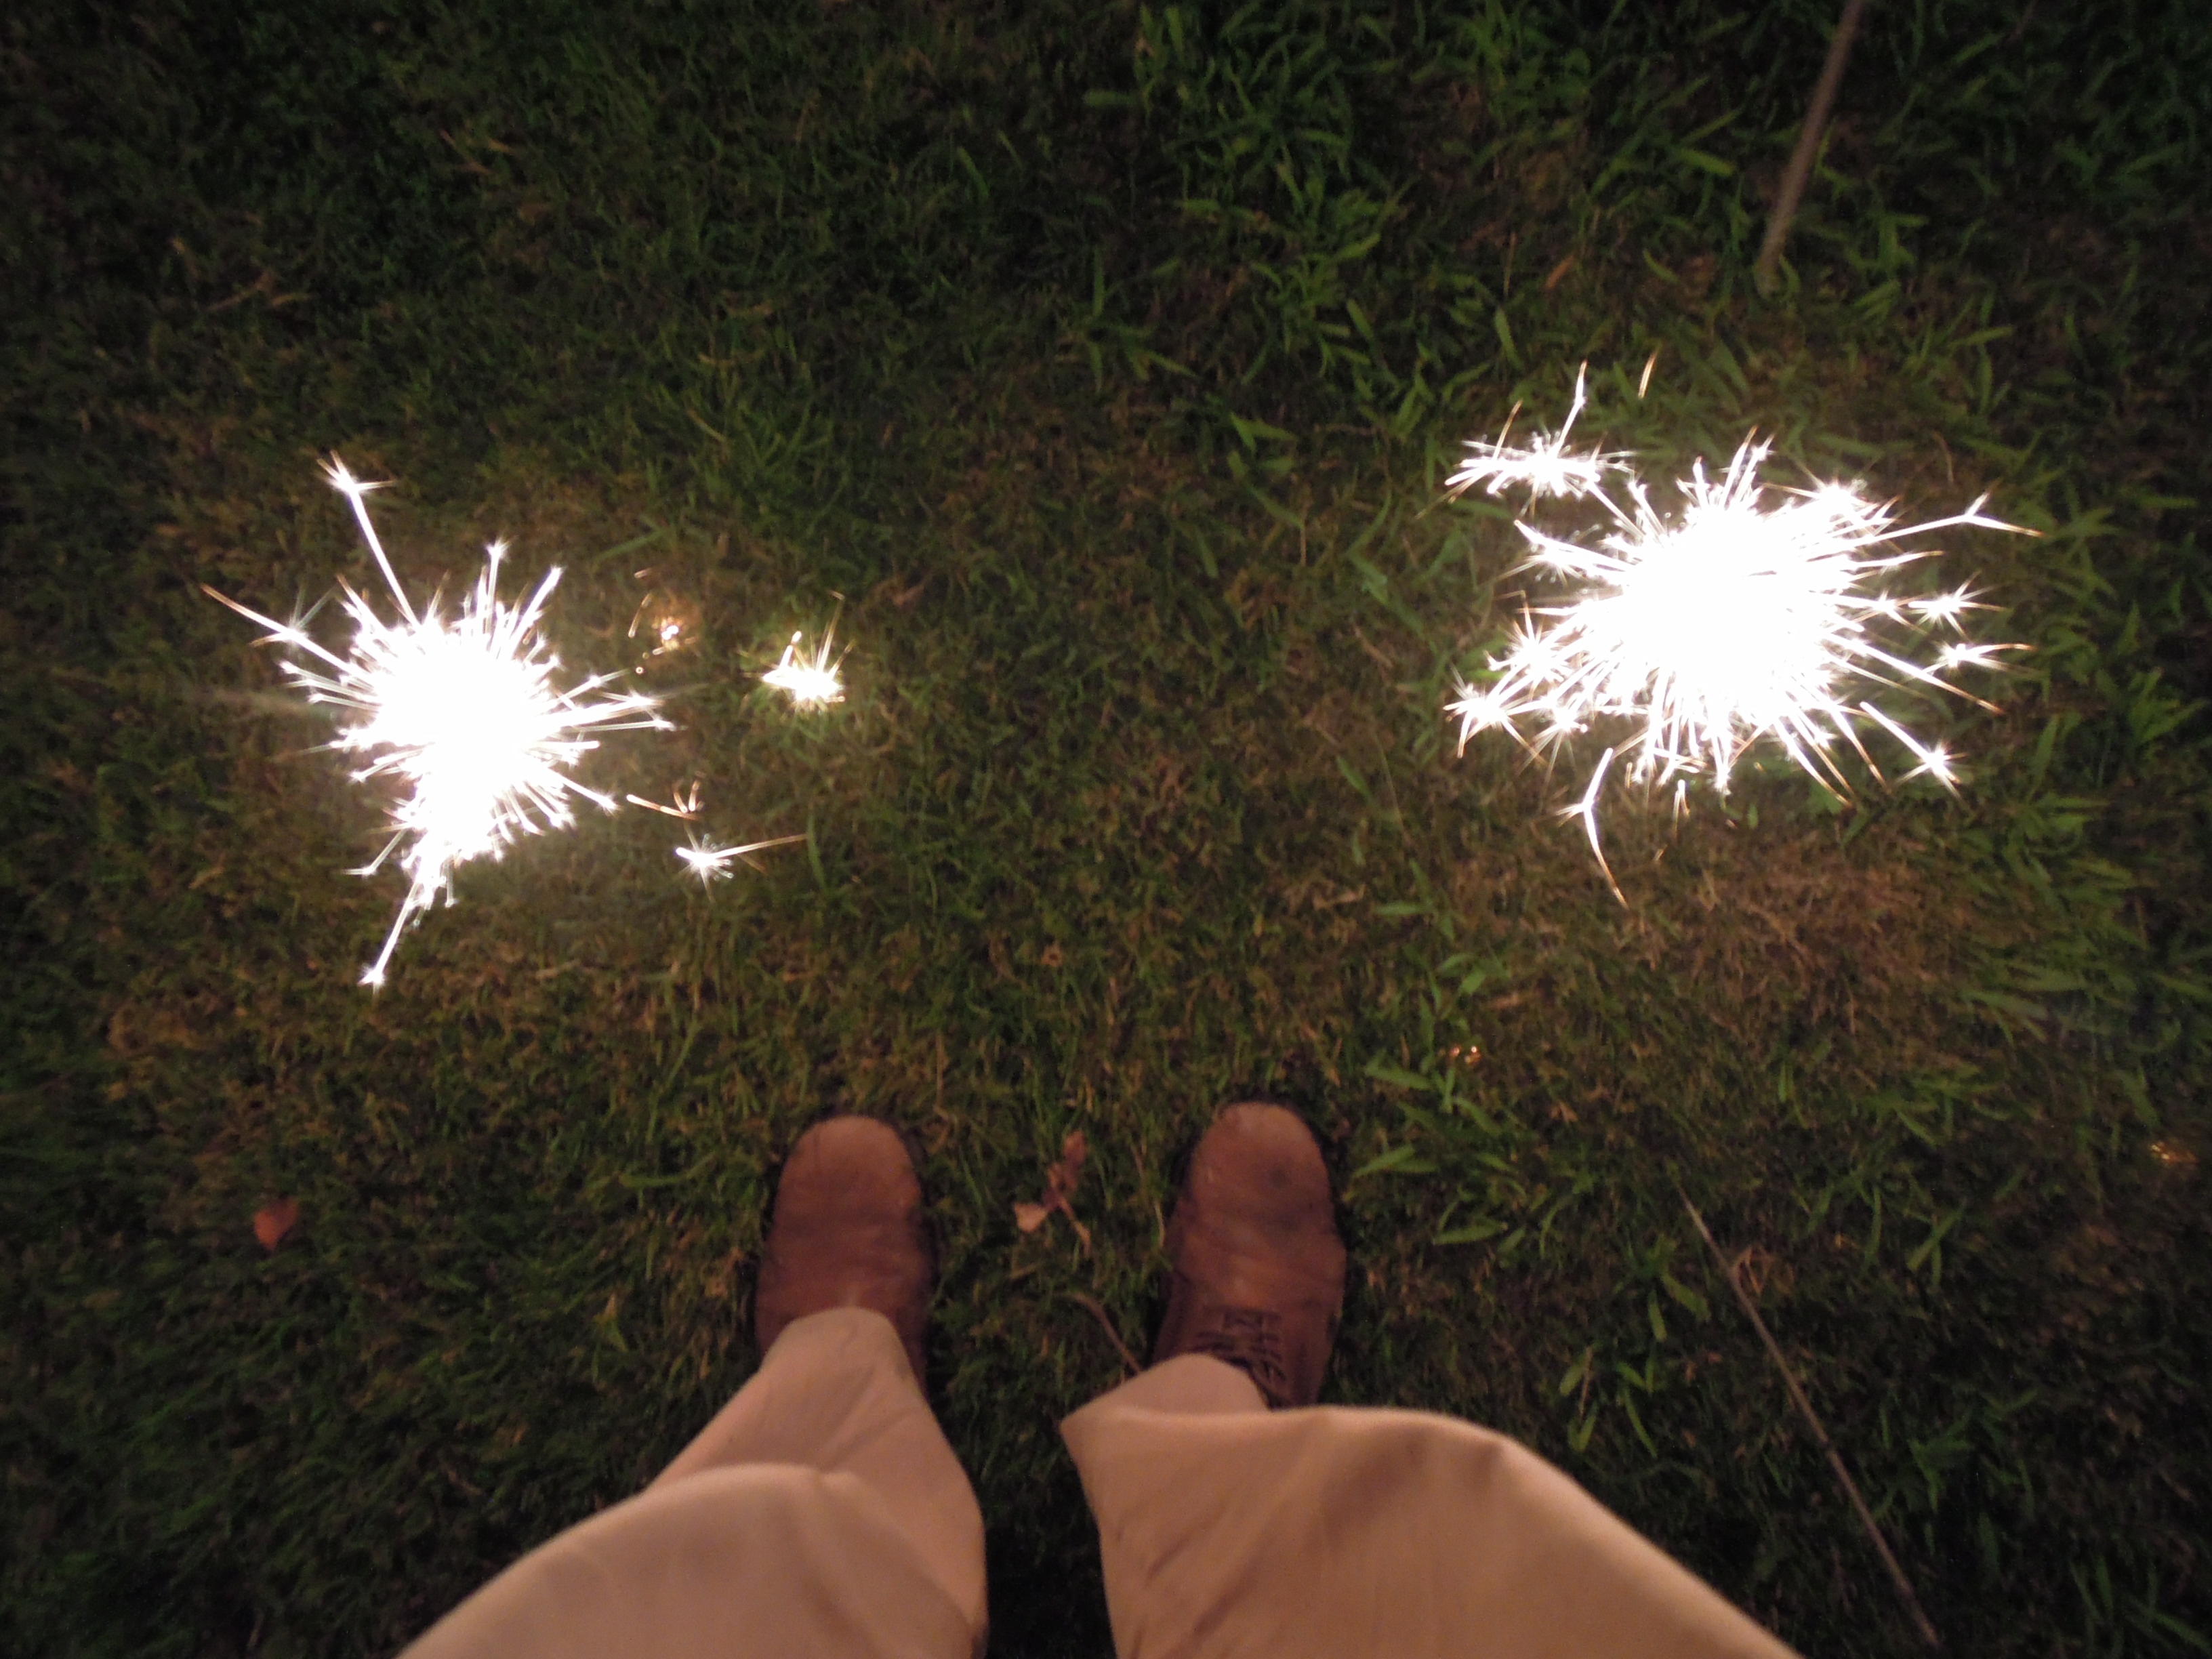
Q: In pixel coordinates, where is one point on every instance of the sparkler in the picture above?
(465, 711)
(812, 680)
(1750, 613)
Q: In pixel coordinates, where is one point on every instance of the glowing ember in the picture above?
(1543, 466)
(682, 803)
(465, 712)
(1750, 613)
(712, 864)
(812, 680)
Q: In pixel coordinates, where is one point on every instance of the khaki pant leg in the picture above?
(1229, 1530)
(836, 1393)
(820, 1513)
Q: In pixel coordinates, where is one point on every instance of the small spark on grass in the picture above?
(666, 621)
(1543, 466)
(811, 678)
(1585, 811)
(711, 864)
(465, 712)
(1749, 614)
(683, 802)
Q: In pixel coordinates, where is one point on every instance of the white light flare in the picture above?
(1543, 466)
(466, 712)
(1749, 614)
(711, 864)
(812, 680)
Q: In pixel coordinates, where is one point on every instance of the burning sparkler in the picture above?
(465, 712)
(1739, 618)
(812, 679)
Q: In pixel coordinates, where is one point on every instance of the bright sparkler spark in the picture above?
(682, 803)
(464, 711)
(1544, 466)
(1737, 618)
(712, 864)
(668, 622)
(812, 679)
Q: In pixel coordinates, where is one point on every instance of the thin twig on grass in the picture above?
(1808, 146)
(1728, 1271)
(1098, 1312)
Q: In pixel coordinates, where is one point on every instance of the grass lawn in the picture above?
(1097, 368)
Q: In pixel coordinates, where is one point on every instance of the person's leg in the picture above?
(820, 1510)
(753, 1561)
(1189, 1385)
(1229, 1528)
(834, 1394)
(840, 1312)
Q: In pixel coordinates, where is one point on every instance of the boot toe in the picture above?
(848, 1231)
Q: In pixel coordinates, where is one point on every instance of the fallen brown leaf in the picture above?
(1060, 1181)
(1074, 1153)
(274, 1219)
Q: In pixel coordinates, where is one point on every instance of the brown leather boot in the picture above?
(848, 1233)
(1258, 1265)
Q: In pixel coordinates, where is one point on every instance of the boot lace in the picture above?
(1251, 1339)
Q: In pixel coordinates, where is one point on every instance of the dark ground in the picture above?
(1105, 363)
